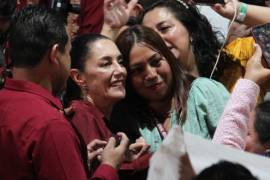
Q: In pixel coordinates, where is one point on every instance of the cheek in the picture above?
(248, 142)
(165, 72)
(183, 42)
(136, 82)
(95, 82)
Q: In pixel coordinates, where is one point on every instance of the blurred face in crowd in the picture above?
(173, 32)
(252, 141)
(104, 73)
(150, 73)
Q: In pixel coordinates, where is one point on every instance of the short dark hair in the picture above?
(224, 170)
(262, 122)
(7, 7)
(34, 30)
(80, 51)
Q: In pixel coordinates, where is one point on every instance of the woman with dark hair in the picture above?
(97, 82)
(160, 95)
(188, 35)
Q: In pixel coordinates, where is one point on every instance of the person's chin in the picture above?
(117, 96)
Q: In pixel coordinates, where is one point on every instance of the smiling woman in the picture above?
(189, 36)
(97, 82)
(160, 95)
(102, 79)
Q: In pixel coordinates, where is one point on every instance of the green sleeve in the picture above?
(206, 102)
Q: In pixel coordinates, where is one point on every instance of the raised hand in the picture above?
(228, 9)
(255, 70)
(117, 12)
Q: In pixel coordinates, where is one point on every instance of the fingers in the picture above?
(131, 5)
(108, 4)
(94, 154)
(140, 139)
(124, 139)
(257, 52)
(139, 148)
(111, 143)
(96, 144)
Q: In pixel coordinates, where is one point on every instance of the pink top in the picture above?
(233, 124)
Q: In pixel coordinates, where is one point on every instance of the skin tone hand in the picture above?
(112, 155)
(255, 70)
(256, 15)
(116, 15)
(117, 12)
(95, 149)
(137, 149)
(228, 9)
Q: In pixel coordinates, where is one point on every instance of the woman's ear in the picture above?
(78, 77)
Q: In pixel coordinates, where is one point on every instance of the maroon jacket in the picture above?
(91, 123)
(36, 141)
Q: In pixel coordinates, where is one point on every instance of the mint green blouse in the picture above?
(206, 101)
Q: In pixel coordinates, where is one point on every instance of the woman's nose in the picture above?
(151, 73)
(119, 69)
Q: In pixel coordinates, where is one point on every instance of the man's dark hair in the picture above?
(225, 170)
(7, 7)
(33, 32)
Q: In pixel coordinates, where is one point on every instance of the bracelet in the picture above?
(242, 13)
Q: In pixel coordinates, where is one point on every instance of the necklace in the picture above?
(158, 117)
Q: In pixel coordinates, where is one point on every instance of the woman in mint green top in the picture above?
(159, 95)
(206, 101)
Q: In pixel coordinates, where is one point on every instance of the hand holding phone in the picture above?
(261, 35)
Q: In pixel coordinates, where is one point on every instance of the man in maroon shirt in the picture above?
(36, 141)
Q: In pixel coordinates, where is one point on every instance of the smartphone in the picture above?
(261, 35)
(208, 2)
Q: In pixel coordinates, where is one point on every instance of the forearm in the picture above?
(232, 127)
(257, 15)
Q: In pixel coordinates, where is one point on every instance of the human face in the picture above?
(252, 141)
(104, 73)
(172, 31)
(150, 73)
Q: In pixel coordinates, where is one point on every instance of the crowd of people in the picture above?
(91, 93)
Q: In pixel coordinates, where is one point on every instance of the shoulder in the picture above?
(202, 84)
(83, 111)
(205, 82)
(207, 91)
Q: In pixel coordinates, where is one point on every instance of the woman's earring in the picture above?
(191, 40)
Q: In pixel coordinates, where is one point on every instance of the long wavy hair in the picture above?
(205, 41)
(180, 85)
